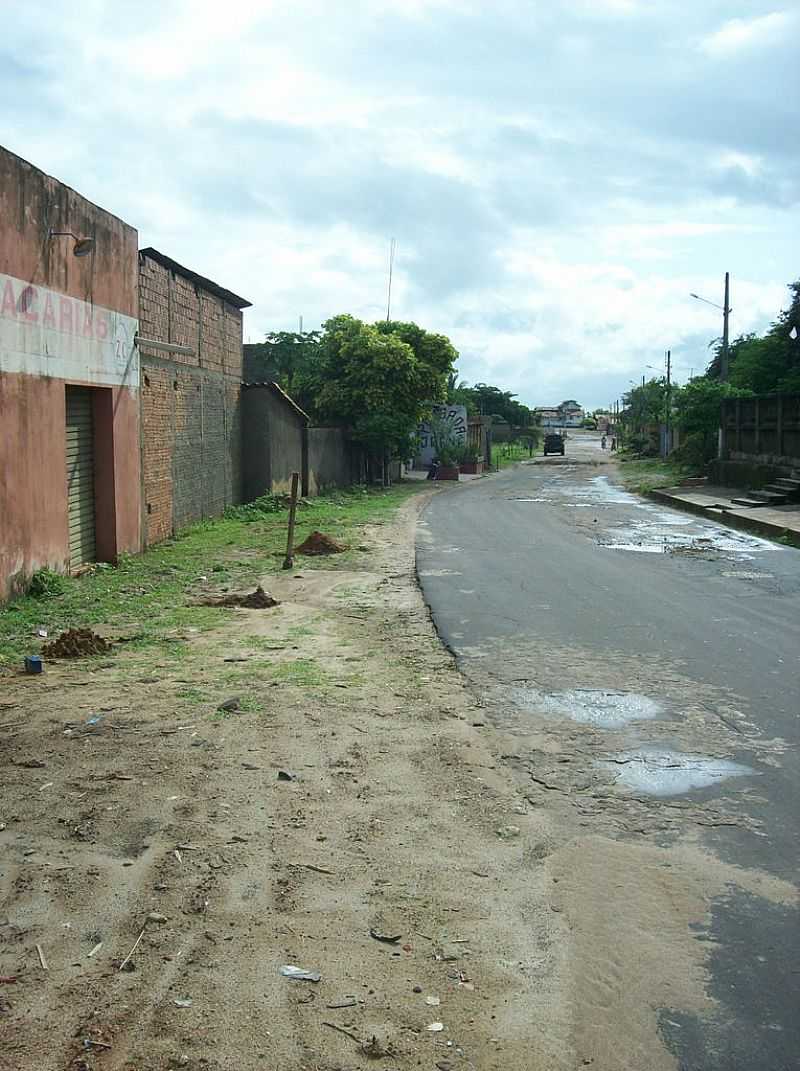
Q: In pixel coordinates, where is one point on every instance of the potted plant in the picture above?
(472, 461)
(449, 456)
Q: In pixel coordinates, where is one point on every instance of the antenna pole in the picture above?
(391, 268)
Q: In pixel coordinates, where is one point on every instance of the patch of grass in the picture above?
(297, 631)
(148, 592)
(193, 695)
(45, 584)
(504, 454)
(300, 671)
(650, 474)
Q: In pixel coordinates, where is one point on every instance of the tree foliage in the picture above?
(283, 356)
(491, 401)
(767, 363)
(377, 380)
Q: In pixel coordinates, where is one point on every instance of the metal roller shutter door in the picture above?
(80, 475)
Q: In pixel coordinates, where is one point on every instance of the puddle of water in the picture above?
(742, 574)
(670, 773)
(529, 500)
(606, 710)
(648, 537)
(641, 548)
(440, 572)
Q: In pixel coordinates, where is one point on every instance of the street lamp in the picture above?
(726, 311)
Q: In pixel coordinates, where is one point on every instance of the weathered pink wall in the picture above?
(34, 528)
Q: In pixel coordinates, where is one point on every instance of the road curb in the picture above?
(732, 520)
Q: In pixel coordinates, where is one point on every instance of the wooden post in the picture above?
(288, 561)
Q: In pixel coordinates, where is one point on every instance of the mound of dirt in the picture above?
(318, 543)
(256, 600)
(76, 643)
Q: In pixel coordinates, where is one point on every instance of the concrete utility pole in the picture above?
(668, 413)
(726, 312)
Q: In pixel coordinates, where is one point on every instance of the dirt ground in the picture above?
(163, 858)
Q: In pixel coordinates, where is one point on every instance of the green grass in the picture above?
(147, 595)
(300, 671)
(504, 454)
(650, 474)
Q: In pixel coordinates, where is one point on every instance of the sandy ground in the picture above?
(138, 825)
(541, 921)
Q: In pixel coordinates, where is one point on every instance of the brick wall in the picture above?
(191, 427)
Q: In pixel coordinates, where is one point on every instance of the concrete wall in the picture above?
(63, 320)
(191, 426)
(333, 460)
(273, 442)
(762, 431)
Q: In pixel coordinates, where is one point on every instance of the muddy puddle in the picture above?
(660, 772)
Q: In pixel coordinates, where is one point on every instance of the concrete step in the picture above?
(786, 483)
(751, 503)
(769, 498)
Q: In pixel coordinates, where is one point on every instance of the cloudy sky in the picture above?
(558, 175)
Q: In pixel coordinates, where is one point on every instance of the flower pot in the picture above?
(448, 472)
(472, 468)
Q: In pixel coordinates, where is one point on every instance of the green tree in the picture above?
(377, 382)
(767, 363)
(284, 356)
(696, 409)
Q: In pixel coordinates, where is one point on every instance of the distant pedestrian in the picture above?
(613, 444)
(603, 443)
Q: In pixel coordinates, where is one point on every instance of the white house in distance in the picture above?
(567, 415)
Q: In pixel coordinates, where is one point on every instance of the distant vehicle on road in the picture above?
(553, 444)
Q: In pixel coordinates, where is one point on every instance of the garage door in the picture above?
(80, 475)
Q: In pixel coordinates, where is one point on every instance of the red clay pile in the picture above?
(76, 643)
(318, 543)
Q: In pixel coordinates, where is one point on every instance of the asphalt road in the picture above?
(674, 644)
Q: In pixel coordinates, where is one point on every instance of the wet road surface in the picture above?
(666, 650)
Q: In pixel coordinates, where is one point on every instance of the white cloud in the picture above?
(559, 176)
(760, 31)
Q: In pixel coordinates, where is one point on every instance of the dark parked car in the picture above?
(553, 444)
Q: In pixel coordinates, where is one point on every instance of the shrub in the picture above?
(46, 584)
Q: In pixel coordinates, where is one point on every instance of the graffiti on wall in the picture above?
(447, 420)
(45, 333)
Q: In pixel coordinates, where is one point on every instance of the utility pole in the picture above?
(726, 311)
(668, 413)
(391, 267)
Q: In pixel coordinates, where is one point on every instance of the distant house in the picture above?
(567, 415)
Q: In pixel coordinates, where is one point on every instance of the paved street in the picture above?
(643, 668)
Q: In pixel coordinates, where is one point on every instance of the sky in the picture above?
(558, 176)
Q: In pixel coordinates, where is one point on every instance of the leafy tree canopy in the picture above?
(370, 377)
(767, 363)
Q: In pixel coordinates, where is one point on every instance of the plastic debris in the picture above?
(33, 664)
(434, 1002)
(436, 1028)
(297, 974)
(286, 775)
(182, 1002)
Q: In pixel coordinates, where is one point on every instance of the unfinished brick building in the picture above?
(191, 369)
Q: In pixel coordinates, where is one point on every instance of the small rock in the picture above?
(154, 916)
(508, 832)
(417, 989)
(182, 1002)
(436, 1028)
(230, 704)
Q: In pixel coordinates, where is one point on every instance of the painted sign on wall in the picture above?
(45, 333)
(448, 421)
